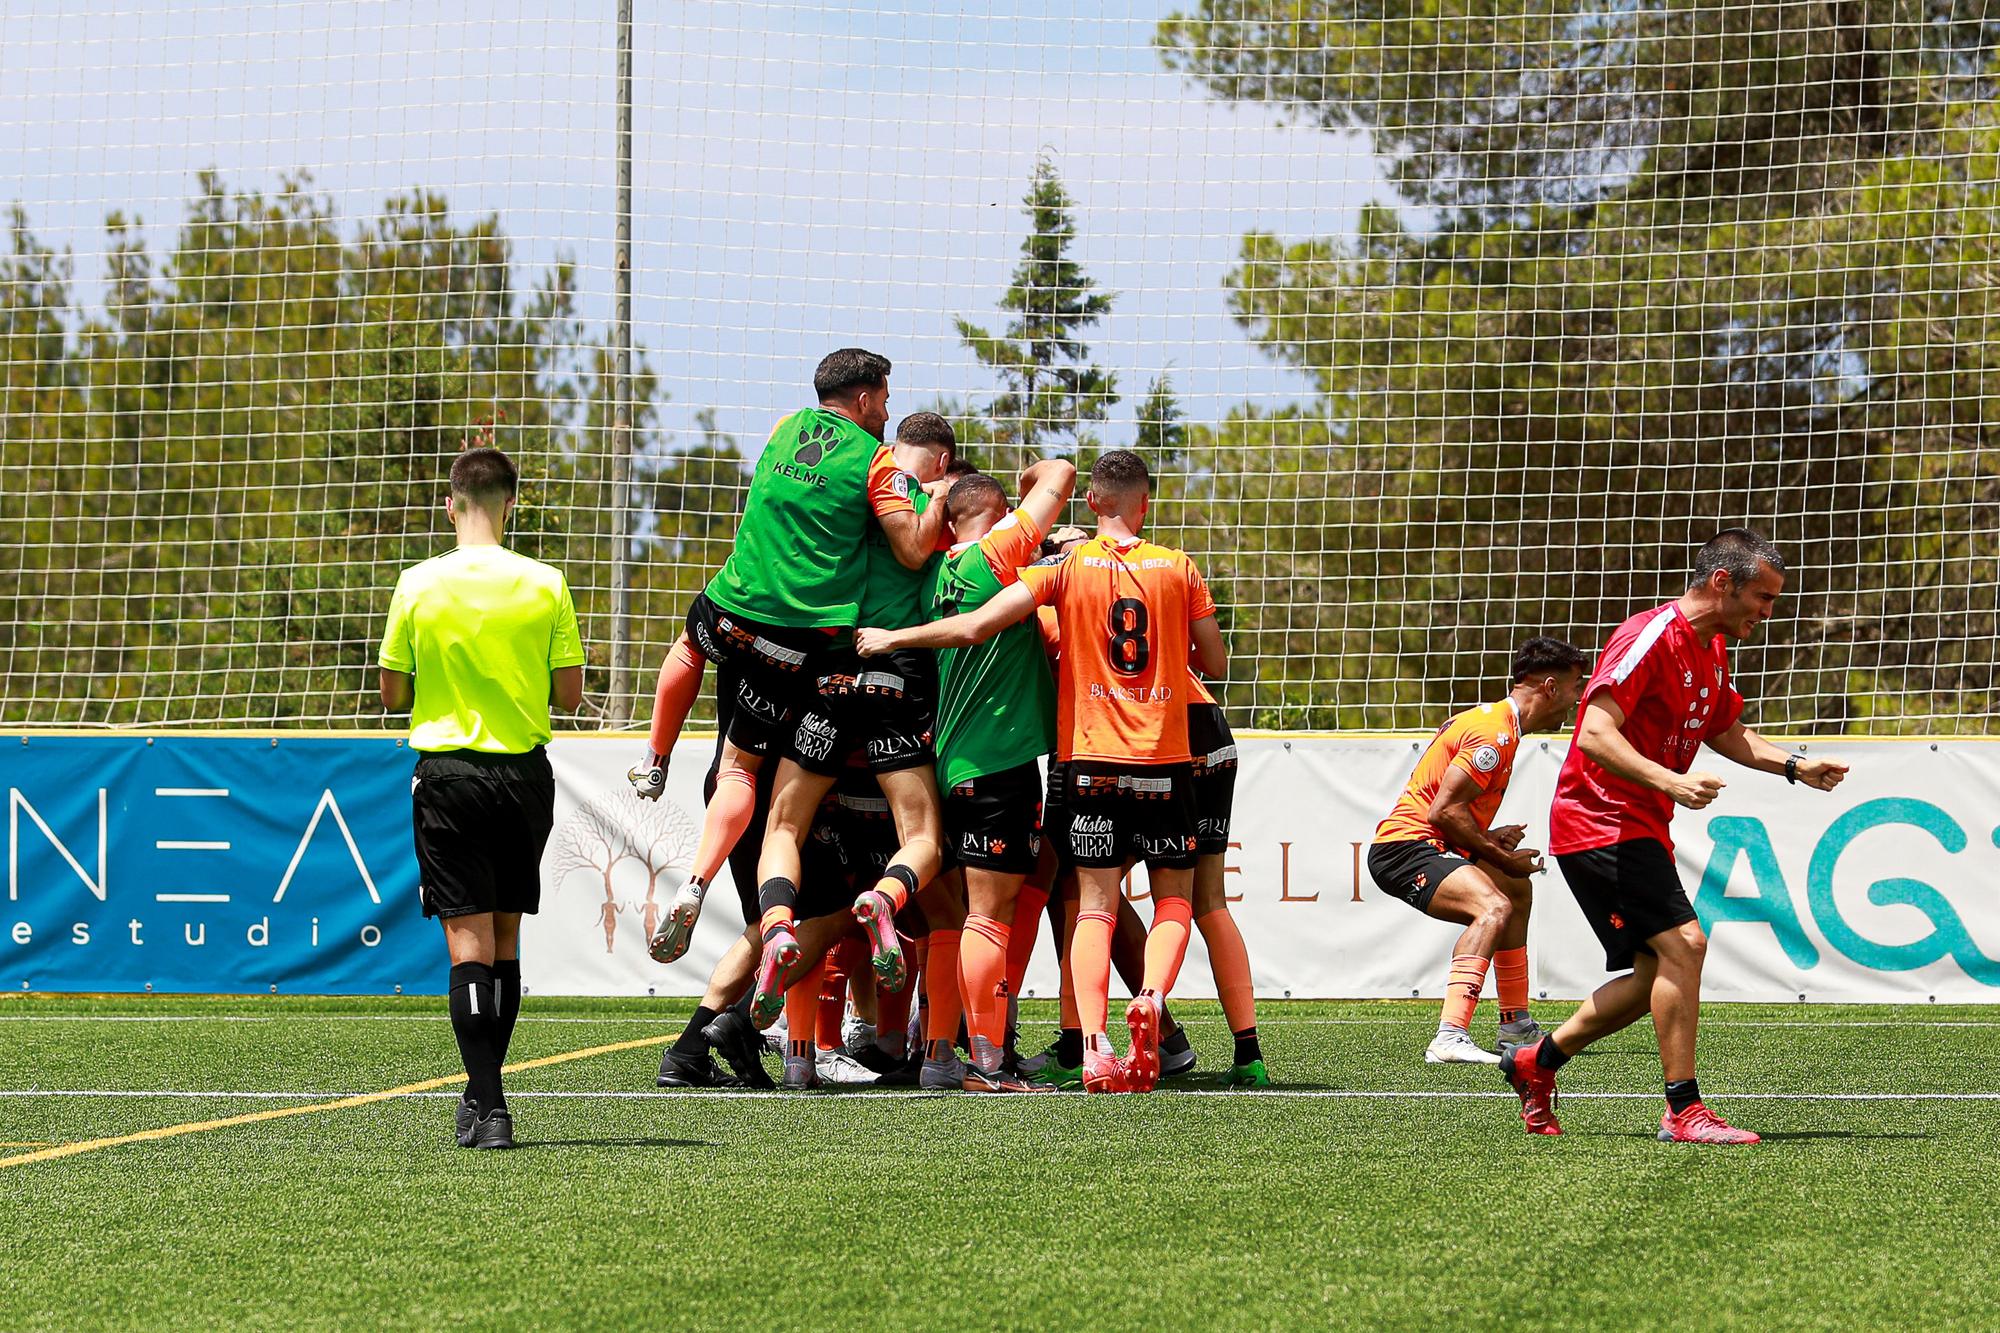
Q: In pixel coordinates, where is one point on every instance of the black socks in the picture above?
(691, 1042)
(1247, 1049)
(507, 985)
(1681, 1094)
(475, 1021)
(1069, 1047)
(1549, 1055)
(777, 891)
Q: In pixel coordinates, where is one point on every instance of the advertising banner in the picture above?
(233, 864)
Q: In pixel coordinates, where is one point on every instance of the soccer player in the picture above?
(882, 711)
(772, 618)
(1214, 781)
(1438, 852)
(1134, 615)
(1661, 689)
(481, 642)
(996, 719)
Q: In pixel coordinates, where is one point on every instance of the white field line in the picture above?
(901, 1094)
(1385, 1020)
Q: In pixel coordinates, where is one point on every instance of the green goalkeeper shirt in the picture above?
(996, 700)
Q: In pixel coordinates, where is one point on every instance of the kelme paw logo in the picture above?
(814, 443)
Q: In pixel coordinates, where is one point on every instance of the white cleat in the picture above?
(676, 928)
(1454, 1046)
(856, 1035)
(649, 779)
(840, 1067)
(774, 1036)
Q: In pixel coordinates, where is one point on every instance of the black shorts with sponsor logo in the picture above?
(766, 673)
(1214, 748)
(993, 822)
(1411, 870)
(481, 822)
(1120, 812)
(867, 829)
(1629, 892)
(1055, 814)
(881, 708)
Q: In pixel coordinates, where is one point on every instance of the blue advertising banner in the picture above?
(212, 863)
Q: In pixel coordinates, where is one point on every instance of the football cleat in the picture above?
(671, 938)
(649, 779)
(1252, 1075)
(1033, 1064)
(1142, 1066)
(979, 1080)
(877, 916)
(1102, 1070)
(1698, 1124)
(776, 971)
(905, 1074)
(1535, 1085)
(468, 1116)
(1057, 1075)
(495, 1129)
(800, 1074)
(856, 1034)
(1177, 1055)
(741, 1045)
(840, 1067)
(947, 1074)
(688, 1071)
(1455, 1046)
(1525, 1032)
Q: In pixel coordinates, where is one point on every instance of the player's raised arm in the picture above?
(1015, 604)
(1747, 748)
(1601, 736)
(1045, 488)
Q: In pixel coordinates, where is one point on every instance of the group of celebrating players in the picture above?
(898, 647)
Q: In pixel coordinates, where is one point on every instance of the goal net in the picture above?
(1441, 324)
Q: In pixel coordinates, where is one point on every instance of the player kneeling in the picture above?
(1438, 852)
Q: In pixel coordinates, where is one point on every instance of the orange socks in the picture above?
(840, 960)
(1090, 968)
(1510, 975)
(982, 972)
(892, 1019)
(729, 812)
(673, 697)
(944, 1006)
(1166, 943)
(1026, 928)
(1231, 963)
(1461, 992)
(802, 1012)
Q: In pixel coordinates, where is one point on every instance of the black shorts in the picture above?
(826, 868)
(1629, 892)
(1055, 815)
(1411, 870)
(767, 673)
(481, 822)
(882, 708)
(867, 829)
(1214, 748)
(1121, 812)
(993, 822)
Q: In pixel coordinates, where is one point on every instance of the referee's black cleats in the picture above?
(495, 1129)
(738, 1042)
(468, 1116)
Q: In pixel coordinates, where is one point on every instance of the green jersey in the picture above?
(798, 558)
(996, 700)
(482, 629)
(896, 596)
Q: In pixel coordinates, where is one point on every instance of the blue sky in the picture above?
(807, 176)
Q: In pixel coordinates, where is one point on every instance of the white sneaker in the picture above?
(676, 928)
(1455, 1046)
(840, 1067)
(856, 1035)
(1524, 1033)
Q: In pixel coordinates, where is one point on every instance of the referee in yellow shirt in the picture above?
(481, 641)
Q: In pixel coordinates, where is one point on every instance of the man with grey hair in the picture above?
(1661, 690)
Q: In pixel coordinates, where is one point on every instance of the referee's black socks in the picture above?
(475, 1021)
(507, 986)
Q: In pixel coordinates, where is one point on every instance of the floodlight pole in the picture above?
(617, 710)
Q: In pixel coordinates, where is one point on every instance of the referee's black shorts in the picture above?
(481, 823)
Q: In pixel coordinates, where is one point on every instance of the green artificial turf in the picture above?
(870, 1210)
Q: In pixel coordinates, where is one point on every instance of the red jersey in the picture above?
(1675, 691)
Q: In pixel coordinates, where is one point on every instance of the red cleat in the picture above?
(1536, 1086)
(776, 971)
(1142, 1017)
(1698, 1124)
(877, 916)
(1103, 1071)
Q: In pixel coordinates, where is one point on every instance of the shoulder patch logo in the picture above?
(1486, 758)
(816, 441)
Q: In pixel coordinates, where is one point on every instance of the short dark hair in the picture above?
(971, 493)
(841, 373)
(960, 465)
(1544, 656)
(1119, 472)
(1738, 552)
(484, 475)
(926, 428)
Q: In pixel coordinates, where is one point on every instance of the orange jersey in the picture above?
(1198, 689)
(1481, 742)
(1127, 611)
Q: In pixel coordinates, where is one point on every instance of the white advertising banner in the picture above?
(1885, 890)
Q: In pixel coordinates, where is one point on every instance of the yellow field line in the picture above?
(339, 1104)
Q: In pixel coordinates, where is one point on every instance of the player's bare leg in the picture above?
(731, 806)
(1166, 949)
(673, 697)
(1229, 959)
(1469, 897)
(913, 803)
(795, 799)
